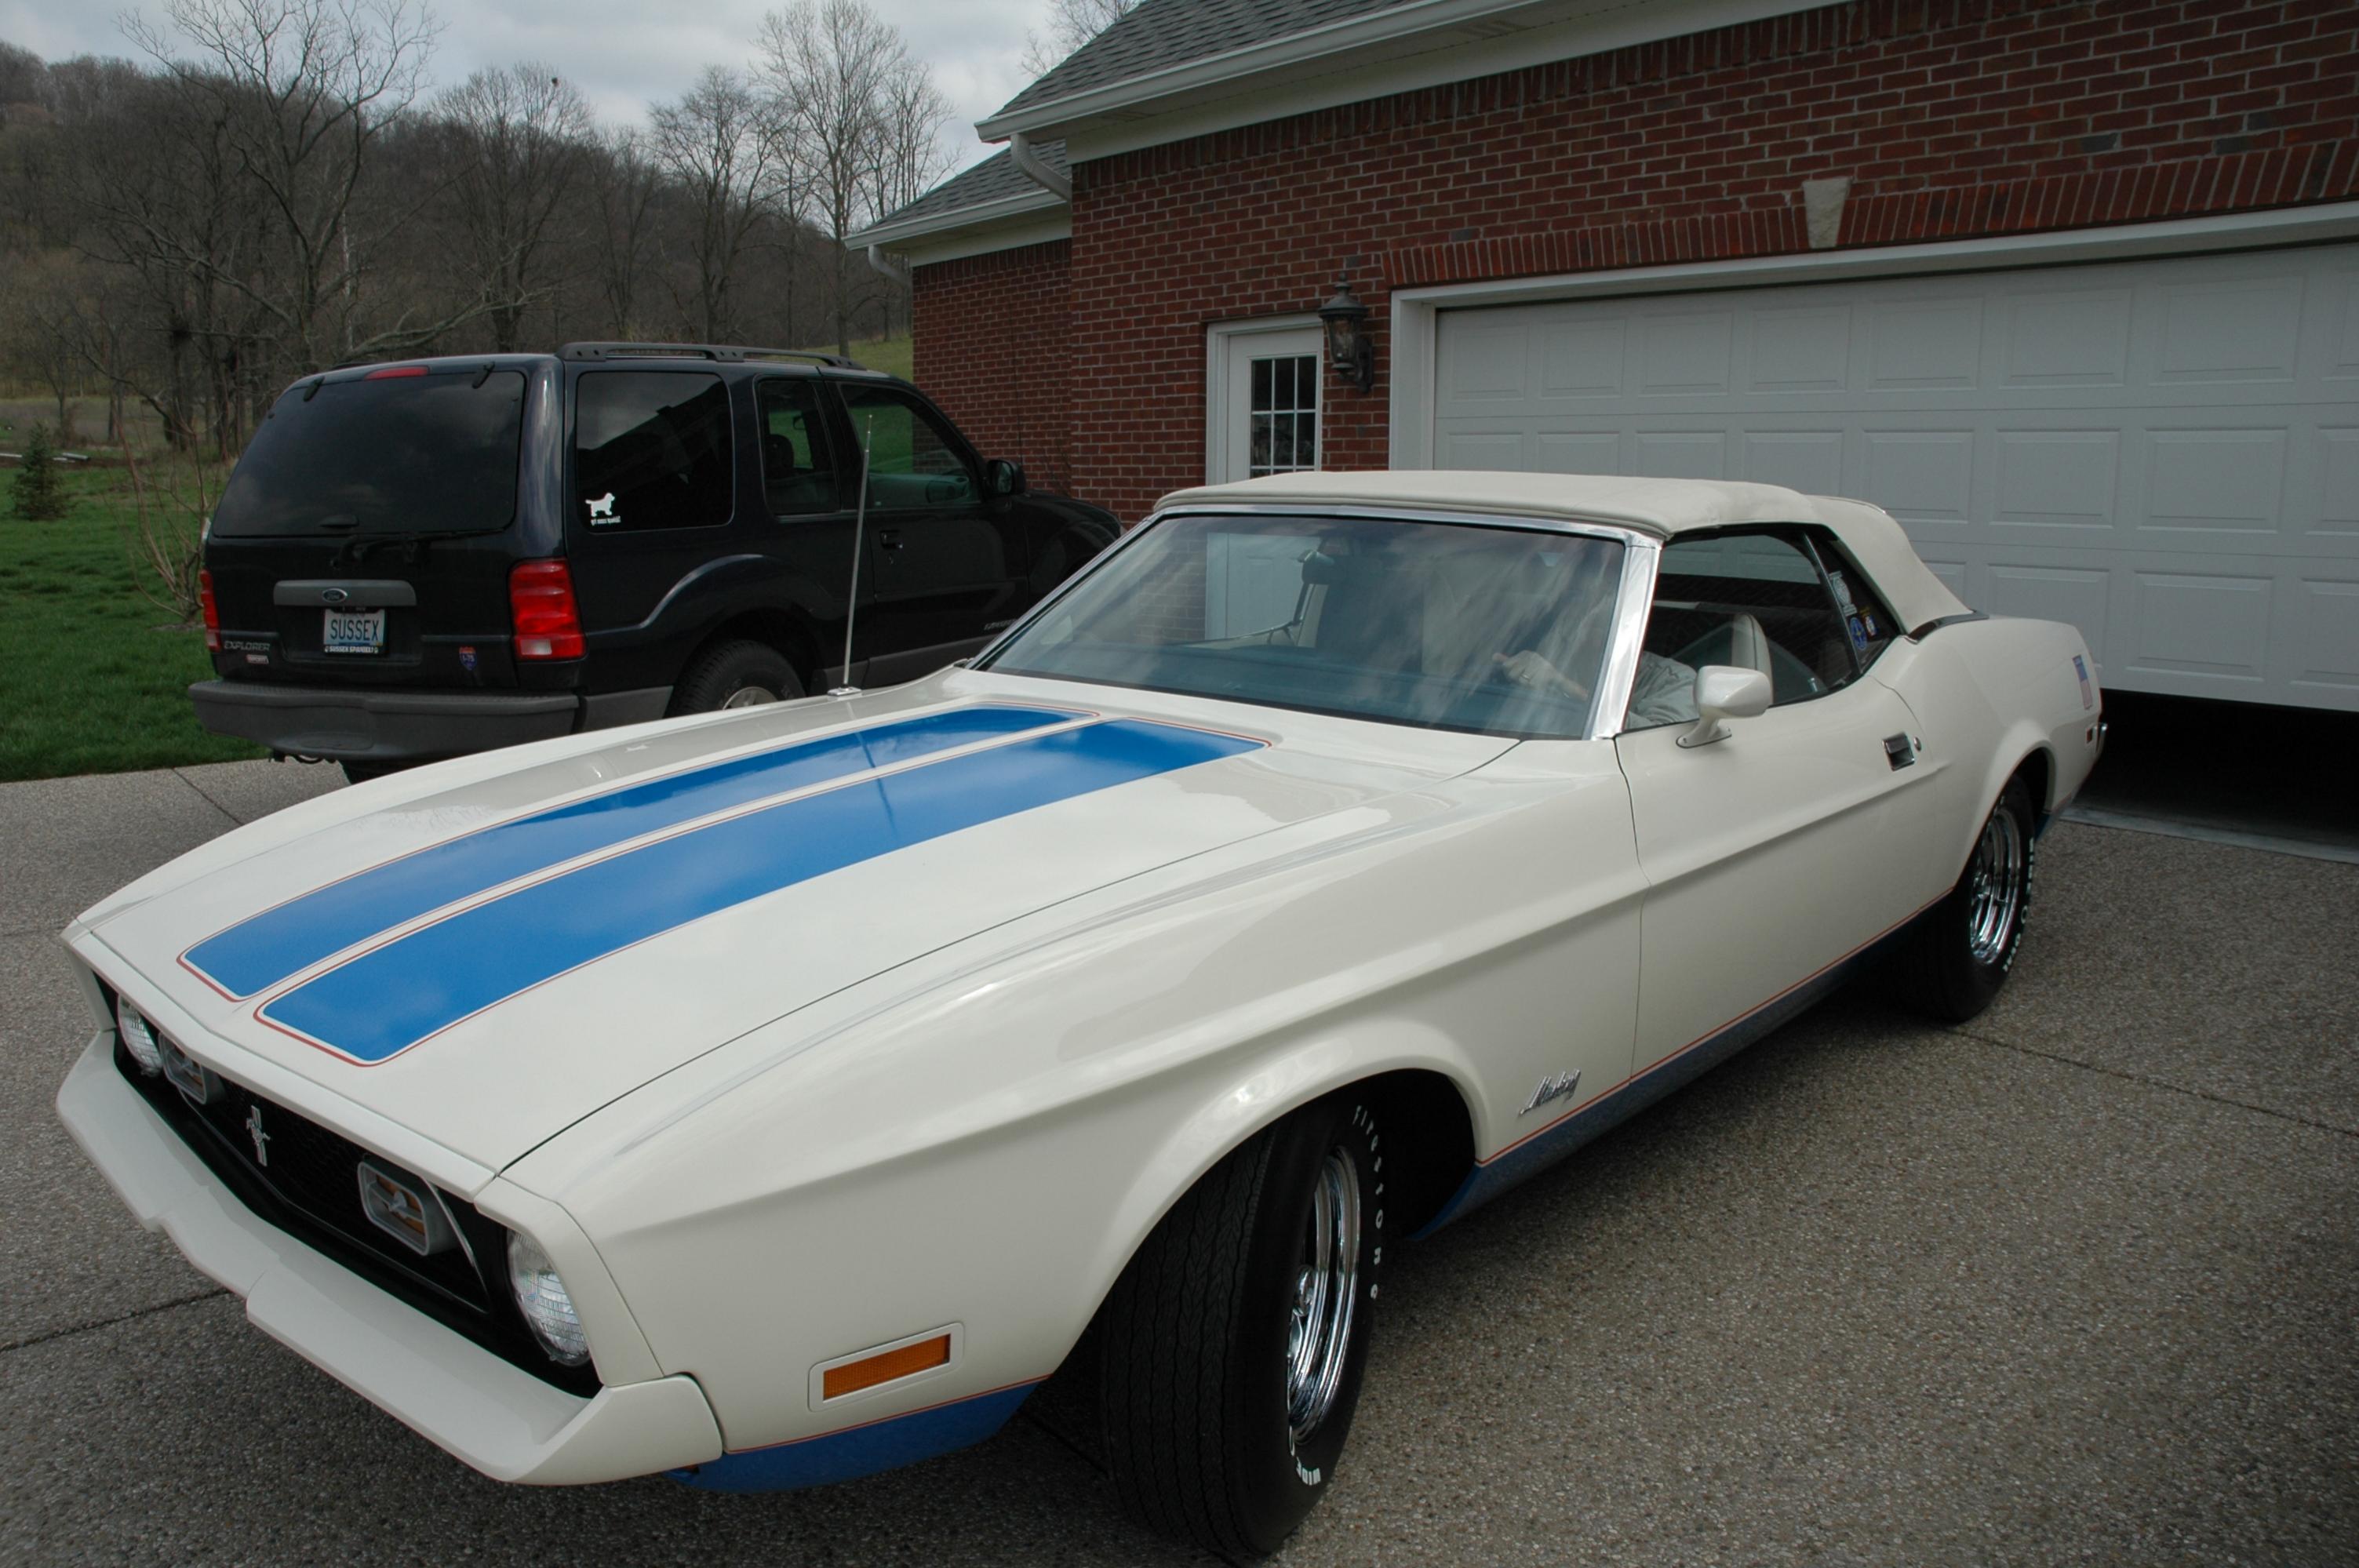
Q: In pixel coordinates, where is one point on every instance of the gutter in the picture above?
(1022, 204)
(1043, 176)
(1315, 43)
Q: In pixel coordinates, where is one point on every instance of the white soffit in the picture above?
(1400, 49)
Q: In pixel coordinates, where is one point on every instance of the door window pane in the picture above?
(1283, 422)
(651, 449)
(1753, 601)
(912, 460)
(799, 472)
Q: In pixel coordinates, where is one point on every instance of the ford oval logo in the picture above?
(333, 595)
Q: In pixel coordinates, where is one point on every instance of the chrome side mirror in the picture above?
(1723, 692)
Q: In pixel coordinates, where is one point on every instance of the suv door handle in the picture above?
(888, 538)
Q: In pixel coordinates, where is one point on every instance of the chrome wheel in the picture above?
(1326, 1292)
(748, 697)
(1995, 889)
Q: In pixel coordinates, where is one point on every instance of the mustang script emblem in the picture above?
(602, 508)
(1555, 1086)
(261, 1139)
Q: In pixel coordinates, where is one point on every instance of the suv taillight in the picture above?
(540, 600)
(212, 610)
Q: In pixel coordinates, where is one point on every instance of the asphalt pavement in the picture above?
(2078, 1282)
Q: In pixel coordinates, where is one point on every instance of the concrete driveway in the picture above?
(2079, 1282)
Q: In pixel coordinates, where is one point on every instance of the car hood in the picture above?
(486, 952)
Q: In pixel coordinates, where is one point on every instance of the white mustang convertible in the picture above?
(772, 1096)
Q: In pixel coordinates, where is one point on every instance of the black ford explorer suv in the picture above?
(419, 559)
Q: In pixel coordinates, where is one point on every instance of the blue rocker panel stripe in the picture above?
(860, 1450)
(256, 953)
(1527, 1157)
(385, 1000)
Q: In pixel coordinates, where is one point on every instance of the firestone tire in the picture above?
(735, 675)
(1954, 960)
(1232, 1347)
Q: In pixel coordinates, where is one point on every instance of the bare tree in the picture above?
(1071, 24)
(861, 118)
(626, 181)
(301, 92)
(524, 137)
(715, 143)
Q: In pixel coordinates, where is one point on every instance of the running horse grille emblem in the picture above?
(253, 1130)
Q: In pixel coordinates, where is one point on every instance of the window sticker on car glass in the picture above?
(1842, 591)
(1858, 633)
(602, 510)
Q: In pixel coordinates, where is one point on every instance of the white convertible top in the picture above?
(1664, 507)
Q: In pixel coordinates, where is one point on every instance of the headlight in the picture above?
(548, 1309)
(137, 1037)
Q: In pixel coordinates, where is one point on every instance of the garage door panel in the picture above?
(1808, 460)
(2173, 438)
(2206, 626)
(2244, 329)
(2214, 480)
(1801, 349)
(1681, 455)
(1581, 359)
(2337, 340)
(1475, 450)
(1917, 345)
(2335, 491)
(2055, 479)
(1921, 476)
(1579, 453)
(2327, 644)
(2077, 337)
(1685, 353)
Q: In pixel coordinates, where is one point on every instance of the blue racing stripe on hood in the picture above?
(387, 1001)
(256, 953)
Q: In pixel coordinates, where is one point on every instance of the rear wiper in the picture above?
(361, 546)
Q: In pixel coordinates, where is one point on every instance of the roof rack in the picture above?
(720, 353)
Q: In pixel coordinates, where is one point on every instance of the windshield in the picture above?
(1449, 626)
(402, 453)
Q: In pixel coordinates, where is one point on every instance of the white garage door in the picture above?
(2164, 453)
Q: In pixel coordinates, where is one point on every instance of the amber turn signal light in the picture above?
(884, 1366)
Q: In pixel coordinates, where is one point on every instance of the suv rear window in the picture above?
(651, 449)
(383, 454)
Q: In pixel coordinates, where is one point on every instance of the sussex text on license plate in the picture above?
(354, 631)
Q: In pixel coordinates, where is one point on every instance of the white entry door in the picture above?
(1265, 413)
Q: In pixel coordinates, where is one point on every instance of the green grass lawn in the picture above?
(91, 679)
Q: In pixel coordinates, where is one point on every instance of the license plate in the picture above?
(353, 631)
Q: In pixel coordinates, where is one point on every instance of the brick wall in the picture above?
(1953, 118)
(994, 346)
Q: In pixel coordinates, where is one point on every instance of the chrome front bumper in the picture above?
(502, 1420)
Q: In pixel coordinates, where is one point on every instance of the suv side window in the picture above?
(799, 470)
(651, 449)
(1753, 600)
(913, 460)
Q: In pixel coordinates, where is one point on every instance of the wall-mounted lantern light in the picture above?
(1349, 350)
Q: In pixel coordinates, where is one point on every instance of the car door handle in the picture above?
(888, 538)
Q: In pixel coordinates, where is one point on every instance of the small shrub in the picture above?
(39, 493)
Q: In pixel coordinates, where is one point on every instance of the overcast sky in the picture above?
(623, 54)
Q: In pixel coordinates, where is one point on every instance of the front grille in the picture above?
(309, 1185)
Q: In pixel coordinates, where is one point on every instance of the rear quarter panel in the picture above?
(1988, 695)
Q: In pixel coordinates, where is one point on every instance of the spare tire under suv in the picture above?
(421, 560)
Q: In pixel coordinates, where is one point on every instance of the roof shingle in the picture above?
(1161, 34)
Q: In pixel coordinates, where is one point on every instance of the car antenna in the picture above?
(852, 602)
